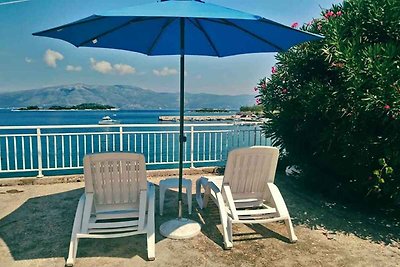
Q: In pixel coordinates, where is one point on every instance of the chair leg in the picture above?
(198, 193)
(73, 249)
(151, 243)
(150, 227)
(224, 221)
(202, 201)
(230, 230)
(189, 198)
(162, 197)
(206, 196)
(73, 245)
(227, 232)
(290, 230)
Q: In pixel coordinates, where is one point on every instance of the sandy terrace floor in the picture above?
(36, 222)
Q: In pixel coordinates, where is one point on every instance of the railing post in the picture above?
(236, 132)
(255, 135)
(121, 140)
(191, 147)
(39, 153)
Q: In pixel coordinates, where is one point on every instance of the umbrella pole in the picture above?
(182, 137)
(181, 228)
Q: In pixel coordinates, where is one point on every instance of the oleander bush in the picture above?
(334, 105)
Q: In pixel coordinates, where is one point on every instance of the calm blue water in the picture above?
(207, 146)
(8, 117)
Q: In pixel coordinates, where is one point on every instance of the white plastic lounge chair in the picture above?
(246, 193)
(118, 201)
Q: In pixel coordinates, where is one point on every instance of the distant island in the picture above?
(211, 110)
(29, 108)
(256, 110)
(84, 106)
(246, 114)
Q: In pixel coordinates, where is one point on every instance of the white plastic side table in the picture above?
(174, 183)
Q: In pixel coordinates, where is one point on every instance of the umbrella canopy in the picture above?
(155, 29)
(185, 27)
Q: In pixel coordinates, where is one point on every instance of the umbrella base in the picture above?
(180, 228)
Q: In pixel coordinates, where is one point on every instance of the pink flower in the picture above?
(387, 107)
(273, 70)
(255, 89)
(258, 101)
(284, 91)
(339, 13)
(295, 25)
(329, 14)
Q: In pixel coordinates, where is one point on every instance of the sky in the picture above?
(29, 62)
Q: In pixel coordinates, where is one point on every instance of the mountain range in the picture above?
(121, 96)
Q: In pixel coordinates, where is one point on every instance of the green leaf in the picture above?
(382, 162)
(389, 170)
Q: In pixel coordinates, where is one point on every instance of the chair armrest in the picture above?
(231, 203)
(87, 210)
(78, 214)
(278, 200)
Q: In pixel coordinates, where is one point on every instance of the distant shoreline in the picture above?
(83, 106)
(119, 109)
(55, 110)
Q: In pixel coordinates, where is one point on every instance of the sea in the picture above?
(9, 117)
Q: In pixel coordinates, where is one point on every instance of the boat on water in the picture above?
(106, 120)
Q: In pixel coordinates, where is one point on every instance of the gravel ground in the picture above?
(36, 222)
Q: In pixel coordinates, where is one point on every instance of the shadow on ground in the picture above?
(317, 212)
(212, 228)
(41, 228)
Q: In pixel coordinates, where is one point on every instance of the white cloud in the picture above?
(106, 67)
(101, 66)
(28, 60)
(73, 68)
(51, 57)
(165, 72)
(124, 69)
(13, 2)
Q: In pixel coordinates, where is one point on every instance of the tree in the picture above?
(334, 105)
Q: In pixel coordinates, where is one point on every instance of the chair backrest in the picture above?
(115, 179)
(248, 170)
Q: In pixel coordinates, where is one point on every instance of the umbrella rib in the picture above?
(200, 27)
(159, 34)
(226, 22)
(131, 21)
(68, 25)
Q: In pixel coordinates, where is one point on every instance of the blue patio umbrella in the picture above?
(185, 27)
